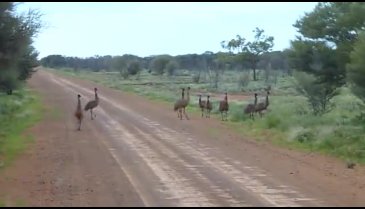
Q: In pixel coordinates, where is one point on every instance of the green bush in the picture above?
(273, 121)
(305, 136)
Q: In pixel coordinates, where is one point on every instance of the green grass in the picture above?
(289, 123)
(18, 112)
(20, 203)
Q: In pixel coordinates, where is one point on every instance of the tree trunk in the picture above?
(9, 92)
(216, 79)
(254, 74)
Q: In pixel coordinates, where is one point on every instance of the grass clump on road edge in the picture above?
(18, 112)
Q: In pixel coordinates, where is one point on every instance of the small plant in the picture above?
(305, 136)
(124, 74)
(273, 121)
(244, 80)
(196, 78)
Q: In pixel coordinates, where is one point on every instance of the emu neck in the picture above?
(255, 100)
(182, 94)
(78, 104)
(96, 97)
(188, 96)
(267, 100)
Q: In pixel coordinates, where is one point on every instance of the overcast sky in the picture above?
(144, 29)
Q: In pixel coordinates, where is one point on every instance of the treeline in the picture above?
(17, 55)
(159, 63)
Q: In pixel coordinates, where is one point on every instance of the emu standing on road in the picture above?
(78, 113)
(181, 104)
(92, 104)
(176, 105)
(224, 107)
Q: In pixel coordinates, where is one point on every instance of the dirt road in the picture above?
(137, 153)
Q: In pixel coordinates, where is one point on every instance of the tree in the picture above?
(8, 81)
(318, 94)
(250, 51)
(17, 56)
(120, 64)
(134, 67)
(319, 61)
(27, 62)
(171, 67)
(337, 24)
(356, 68)
(158, 64)
(216, 65)
(328, 36)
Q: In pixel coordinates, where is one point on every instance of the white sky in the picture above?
(144, 29)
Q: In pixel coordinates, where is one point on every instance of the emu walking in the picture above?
(78, 113)
(92, 104)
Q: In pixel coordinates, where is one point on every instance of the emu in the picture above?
(92, 104)
(250, 108)
(224, 107)
(263, 105)
(181, 105)
(78, 113)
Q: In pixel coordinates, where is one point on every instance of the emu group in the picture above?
(180, 105)
(89, 106)
(206, 105)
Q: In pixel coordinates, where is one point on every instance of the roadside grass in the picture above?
(288, 121)
(18, 112)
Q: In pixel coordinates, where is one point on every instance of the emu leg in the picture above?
(180, 114)
(79, 125)
(186, 116)
(91, 114)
